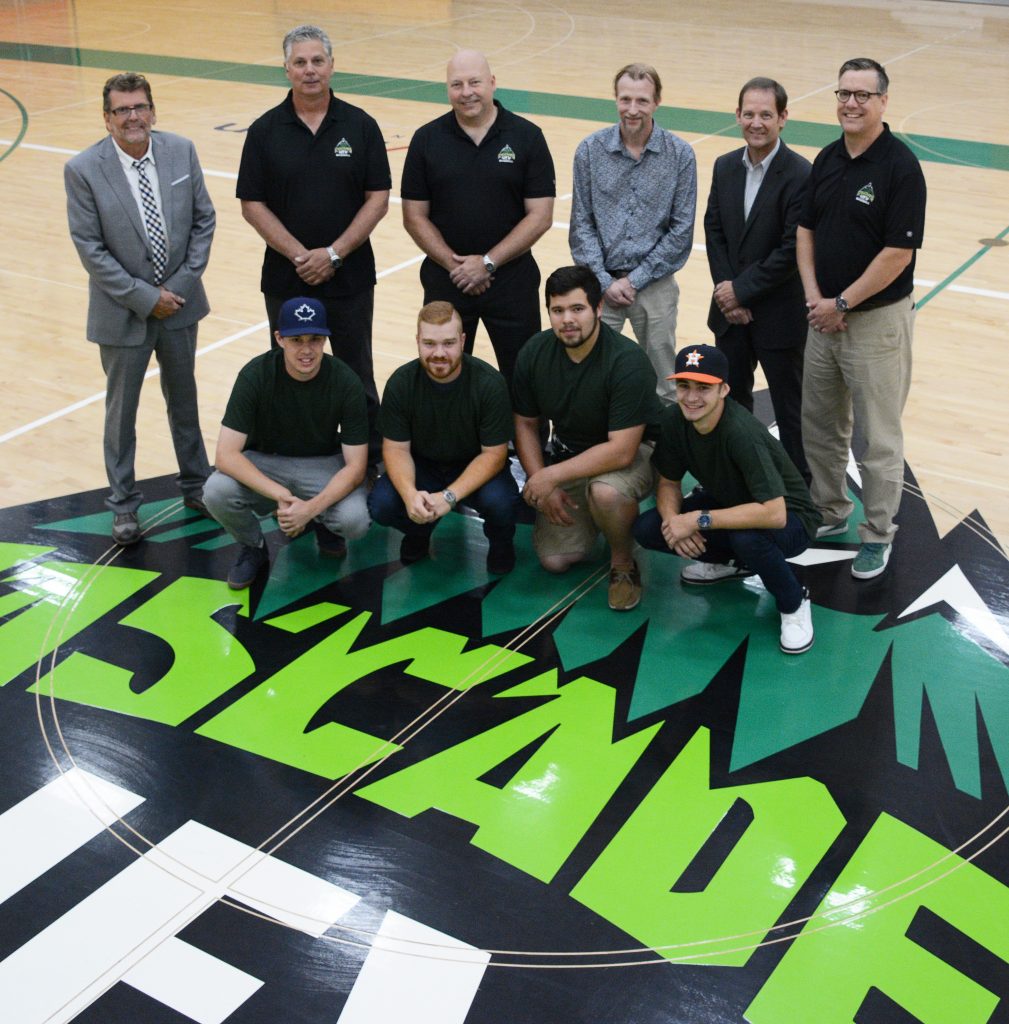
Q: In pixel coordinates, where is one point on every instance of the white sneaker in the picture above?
(713, 572)
(797, 627)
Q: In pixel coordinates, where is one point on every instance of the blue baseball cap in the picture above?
(703, 363)
(302, 316)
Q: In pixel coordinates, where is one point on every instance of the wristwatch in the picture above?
(841, 303)
(489, 264)
(337, 261)
(704, 520)
(450, 497)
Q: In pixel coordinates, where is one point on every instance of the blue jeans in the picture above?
(496, 501)
(763, 551)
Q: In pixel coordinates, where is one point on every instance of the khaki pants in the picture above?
(859, 375)
(653, 316)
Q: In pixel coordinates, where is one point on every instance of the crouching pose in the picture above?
(294, 439)
(751, 510)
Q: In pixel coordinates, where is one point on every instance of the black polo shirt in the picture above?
(315, 184)
(858, 207)
(477, 193)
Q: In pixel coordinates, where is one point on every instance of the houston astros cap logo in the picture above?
(689, 362)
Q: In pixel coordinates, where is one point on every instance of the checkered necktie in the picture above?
(152, 220)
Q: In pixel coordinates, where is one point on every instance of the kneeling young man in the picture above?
(751, 510)
(294, 439)
(446, 424)
(598, 390)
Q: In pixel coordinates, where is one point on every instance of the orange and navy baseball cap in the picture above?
(703, 363)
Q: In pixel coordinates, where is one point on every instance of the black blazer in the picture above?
(758, 255)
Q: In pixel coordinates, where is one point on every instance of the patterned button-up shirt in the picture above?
(633, 215)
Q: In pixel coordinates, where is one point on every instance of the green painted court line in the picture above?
(959, 270)
(583, 108)
(24, 124)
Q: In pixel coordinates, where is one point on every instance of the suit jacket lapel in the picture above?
(736, 191)
(112, 168)
(166, 175)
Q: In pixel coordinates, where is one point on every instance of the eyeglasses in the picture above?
(137, 108)
(861, 96)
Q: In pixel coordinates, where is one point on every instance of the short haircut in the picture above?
(780, 96)
(128, 81)
(302, 34)
(638, 72)
(566, 279)
(868, 64)
(438, 313)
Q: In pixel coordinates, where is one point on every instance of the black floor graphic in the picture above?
(549, 812)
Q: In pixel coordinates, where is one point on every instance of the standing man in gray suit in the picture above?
(758, 307)
(142, 222)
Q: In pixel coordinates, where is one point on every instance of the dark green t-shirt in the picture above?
(612, 388)
(447, 422)
(284, 416)
(738, 462)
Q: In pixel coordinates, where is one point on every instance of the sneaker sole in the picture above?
(872, 574)
(832, 531)
(625, 607)
(721, 579)
(796, 650)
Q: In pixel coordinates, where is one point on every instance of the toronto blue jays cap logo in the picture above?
(302, 316)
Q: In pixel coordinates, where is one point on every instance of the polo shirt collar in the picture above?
(292, 114)
(876, 151)
(491, 132)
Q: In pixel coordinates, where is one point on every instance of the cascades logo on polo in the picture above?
(343, 148)
(866, 194)
(506, 156)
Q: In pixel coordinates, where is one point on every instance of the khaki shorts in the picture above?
(637, 481)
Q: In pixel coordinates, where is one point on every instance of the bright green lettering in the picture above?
(539, 816)
(874, 950)
(272, 720)
(65, 598)
(794, 822)
(208, 659)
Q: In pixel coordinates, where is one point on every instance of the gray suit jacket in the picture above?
(107, 230)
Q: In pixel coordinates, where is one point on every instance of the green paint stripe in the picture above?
(959, 270)
(700, 122)
(24, 124)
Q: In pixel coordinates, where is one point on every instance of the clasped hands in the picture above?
(313, 266)
(681, 534)
(542, 494)
(725, 299)
(825, 317)
(470, 275)
(424, 507)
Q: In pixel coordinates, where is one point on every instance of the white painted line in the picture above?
(46, 827)
(293, 896)
(955, 590)
(112, 930)
(821, 556)
(403, 981)
(192, 982)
